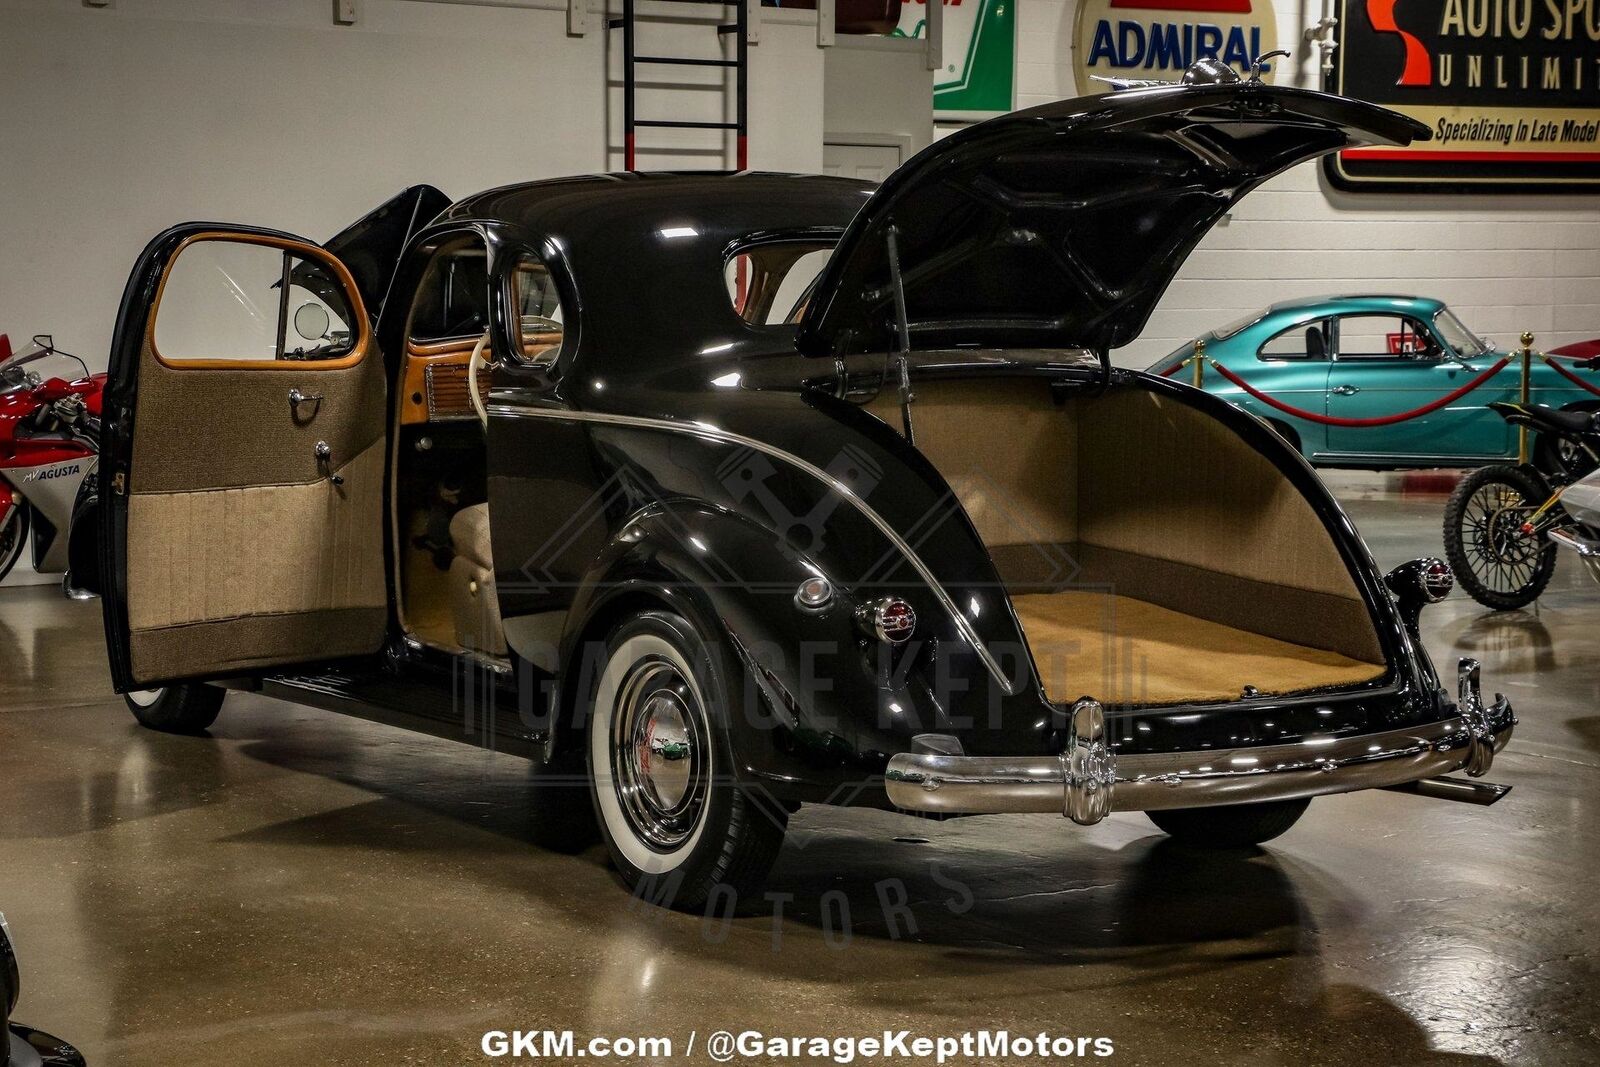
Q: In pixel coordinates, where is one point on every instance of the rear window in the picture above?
(772, 283)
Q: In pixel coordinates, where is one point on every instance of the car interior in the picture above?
(1152, 556)
(441, 513)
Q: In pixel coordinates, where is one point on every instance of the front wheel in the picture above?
(177, 709)
(1231, 825)
(13, 535)
(1496, 563)
(679, 828)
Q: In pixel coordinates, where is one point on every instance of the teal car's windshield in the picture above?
(1465, 343)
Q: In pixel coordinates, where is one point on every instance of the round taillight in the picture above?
(1437, 580)
(889, 619)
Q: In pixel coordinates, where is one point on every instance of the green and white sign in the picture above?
(980, 55)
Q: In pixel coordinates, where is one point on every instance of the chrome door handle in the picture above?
(324, 453)
(1346, 390)
(296, 398)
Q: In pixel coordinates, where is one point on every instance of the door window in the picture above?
(234, 299)
(1385, 337)
(1306, 342)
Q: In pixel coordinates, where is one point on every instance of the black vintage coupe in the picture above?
(721, 494)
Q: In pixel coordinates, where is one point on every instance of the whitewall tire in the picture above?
(676, 823)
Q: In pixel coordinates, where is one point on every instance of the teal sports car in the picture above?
(1367, 357)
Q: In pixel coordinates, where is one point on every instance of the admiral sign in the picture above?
(1159, 39)
(1510, 88)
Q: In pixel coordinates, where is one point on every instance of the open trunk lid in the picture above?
(1061, 226)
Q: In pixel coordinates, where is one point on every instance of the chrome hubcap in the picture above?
(658, 754)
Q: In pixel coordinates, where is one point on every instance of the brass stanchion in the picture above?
(1527, 373)
(1199, 358)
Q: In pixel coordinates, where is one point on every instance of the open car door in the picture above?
(1061, 225)
(242, 461)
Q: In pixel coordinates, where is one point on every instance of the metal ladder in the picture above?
(628, 23)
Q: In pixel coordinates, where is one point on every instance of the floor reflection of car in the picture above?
(1362, 357)
(24, 1047)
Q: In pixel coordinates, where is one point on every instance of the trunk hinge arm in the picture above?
(902, 328)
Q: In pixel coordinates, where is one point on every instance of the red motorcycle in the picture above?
(49, 450)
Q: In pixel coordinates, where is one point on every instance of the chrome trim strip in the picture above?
(714, 433)
(949, 785)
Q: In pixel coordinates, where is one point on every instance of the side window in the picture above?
(1384, 337)
(770, 283)
(230, 298)
(1308, 341)
(538, 306)
(452, 298)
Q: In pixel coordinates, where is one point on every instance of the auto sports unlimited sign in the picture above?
(980, 49)
(1158, 39)
(1510, 89)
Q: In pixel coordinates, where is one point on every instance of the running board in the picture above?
(1458, 789)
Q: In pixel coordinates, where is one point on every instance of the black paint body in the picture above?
(676, 454)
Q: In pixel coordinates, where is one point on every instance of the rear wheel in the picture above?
(177, 709)
(1496, 563)
(13, 535)
(677, 825)
(1230, 826)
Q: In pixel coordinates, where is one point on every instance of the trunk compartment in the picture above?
(1152, 556)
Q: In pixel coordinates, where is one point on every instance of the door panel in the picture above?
(1367, 383)
(253, 525)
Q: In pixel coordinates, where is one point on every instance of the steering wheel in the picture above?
(473, 364)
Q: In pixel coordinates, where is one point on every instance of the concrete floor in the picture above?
(306, 888)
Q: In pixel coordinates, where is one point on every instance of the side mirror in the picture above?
(311, 321)
(1417, 584)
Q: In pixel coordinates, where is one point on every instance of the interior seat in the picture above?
(473, 602)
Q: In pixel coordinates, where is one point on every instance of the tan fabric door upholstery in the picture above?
(241, 552)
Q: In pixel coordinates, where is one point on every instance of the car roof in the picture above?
(650, 250)
(1342, 303)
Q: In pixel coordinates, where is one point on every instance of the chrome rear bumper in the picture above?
(1088, 781)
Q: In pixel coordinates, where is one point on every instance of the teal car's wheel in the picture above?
(1496, 563)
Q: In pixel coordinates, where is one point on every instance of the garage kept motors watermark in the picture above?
(1510, 89)
(1160, 39)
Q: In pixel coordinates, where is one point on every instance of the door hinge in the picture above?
(119, 483)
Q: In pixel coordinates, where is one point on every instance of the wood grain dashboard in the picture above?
(435, 378)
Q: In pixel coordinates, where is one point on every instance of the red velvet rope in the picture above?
(1569, 376)
(1380, 420)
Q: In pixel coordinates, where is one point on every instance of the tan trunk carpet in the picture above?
(1125, 651)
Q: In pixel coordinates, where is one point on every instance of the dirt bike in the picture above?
(49, 447)
(1504, 524)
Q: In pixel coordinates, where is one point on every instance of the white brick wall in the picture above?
(1507, 263)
